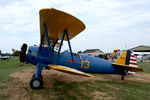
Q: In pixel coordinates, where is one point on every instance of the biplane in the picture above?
(55, 27)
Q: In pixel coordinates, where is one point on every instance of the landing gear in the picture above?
(41, 77)
(122, 77)
(37, 79)
(124, 72)
(36, 82)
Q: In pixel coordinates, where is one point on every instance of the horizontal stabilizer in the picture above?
(128, 61)
(129, 68)
(69, 70)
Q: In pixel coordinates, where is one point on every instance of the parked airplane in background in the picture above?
(15, 52)
(4, 56)
(115, 54)
(56, 26)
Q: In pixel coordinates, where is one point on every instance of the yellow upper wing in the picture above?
(69, 70)
(56, 22)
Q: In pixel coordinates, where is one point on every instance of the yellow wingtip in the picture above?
(69, 70)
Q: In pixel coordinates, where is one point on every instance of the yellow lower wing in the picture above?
(69, 70)
(129, 68)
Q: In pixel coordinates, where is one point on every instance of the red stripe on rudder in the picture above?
(130, 73)
(133, 60)
(132, 56)
(133, 63)
(70, 60)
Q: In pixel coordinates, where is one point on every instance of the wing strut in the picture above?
(57, 57)
(69, 46)
(41, 43)
(48, 40)
(51, 48)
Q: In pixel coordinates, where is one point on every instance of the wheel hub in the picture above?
(36, 83)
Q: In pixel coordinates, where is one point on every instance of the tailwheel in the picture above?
(36, 83)
(122, 77)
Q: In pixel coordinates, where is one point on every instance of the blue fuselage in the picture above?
(82, 62)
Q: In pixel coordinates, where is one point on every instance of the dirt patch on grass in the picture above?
(97, 95)
(19, 88)
(16, 90)
(144, 77)
(52, 75)
(24, 76)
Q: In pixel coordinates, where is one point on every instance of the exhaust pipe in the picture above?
(23, 53)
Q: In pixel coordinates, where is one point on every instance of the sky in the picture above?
(110, 24)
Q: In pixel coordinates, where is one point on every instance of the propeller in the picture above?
(23, 53)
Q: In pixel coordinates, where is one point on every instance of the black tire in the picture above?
(41, 77)
(36, 83)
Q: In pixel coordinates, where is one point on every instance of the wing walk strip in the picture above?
(69, 70)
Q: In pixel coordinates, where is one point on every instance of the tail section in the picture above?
(128, 61)
(133, 60)
(124, 58)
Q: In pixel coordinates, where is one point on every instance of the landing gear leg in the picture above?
(41, 76)
(37, 79)
(122, 77)
(123, 74)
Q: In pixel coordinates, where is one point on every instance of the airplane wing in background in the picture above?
(69, 70)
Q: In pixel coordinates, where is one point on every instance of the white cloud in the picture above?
(110, 24)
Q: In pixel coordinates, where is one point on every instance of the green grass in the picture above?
(122, 90)
(61, 90)
(9, 66)
(145, 66)
(85, 90)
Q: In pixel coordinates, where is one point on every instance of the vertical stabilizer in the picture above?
(124, 58)
(128, 61)
(127, 58)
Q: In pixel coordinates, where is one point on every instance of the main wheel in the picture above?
(36, 83)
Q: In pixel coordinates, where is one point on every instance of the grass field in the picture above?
(9, 66)
(57, 88)
(145, 66)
